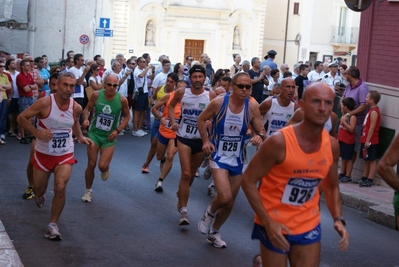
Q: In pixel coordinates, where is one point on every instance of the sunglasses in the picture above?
(242, 86)
(2, 66)
(112, 84)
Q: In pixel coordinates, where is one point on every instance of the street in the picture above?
(129, 224)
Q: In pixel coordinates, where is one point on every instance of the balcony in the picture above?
(341, 36)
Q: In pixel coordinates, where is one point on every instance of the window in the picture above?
(342, 21)
(296, 8)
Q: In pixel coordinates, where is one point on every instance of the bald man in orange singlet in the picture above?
(291, 164)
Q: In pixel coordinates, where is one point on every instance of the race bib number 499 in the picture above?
(299, 190)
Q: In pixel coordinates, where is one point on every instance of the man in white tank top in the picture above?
(57, 116)
(189, 144)
(278, 110)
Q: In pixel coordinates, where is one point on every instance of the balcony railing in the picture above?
(344, 35)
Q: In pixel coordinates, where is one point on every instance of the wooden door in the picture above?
(194, 48)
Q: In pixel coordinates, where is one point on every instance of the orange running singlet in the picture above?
(166, 131)
(289, 192)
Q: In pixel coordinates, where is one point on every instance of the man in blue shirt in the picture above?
(269, 58)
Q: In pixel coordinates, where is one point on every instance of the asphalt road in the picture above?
(128, 224)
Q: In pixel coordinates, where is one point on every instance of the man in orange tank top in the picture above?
(291, 164)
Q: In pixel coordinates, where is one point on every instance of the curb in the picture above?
(8, 255)
(381, 212)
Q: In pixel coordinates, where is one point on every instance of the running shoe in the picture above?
(184, 218)
(137, 133)
(345, 179)
(145, 169)
(205, 223)
(127, 128)
(197, 173)
(366, 183)
(212, 191)
(216, 240)
(24, 141)
(142, 132)
(28, 193)
(87, 196)
(19, 136)
(40, 201)
(121, 133)
(53, 233)
(158, 187)
(105, 175)
(205, 162)
(207, 173)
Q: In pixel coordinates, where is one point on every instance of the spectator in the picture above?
(369, 139)
(347, 139)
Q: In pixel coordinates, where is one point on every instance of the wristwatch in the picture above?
(341, 219)
(262, 136)
(118, 131)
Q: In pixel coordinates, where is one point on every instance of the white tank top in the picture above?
(60, 123)
(191, 107)
(328, 124)
(278, 116)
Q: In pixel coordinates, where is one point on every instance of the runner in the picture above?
(166, 145)
(290, 165)
(231, 115)
(109, 105)
(194, 100)
(54, 150)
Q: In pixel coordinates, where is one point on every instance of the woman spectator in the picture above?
(54, 69)
(219, 74)
(275, 73)
(179, 69)
(95, 79)
(5, 86)
(236, 67)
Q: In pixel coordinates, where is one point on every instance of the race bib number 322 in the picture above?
(299, 190)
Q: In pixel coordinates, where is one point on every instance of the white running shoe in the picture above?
(105, 175)
(158, 187)
(212, 191)
(53, 233)
(205, 223)
(87, 196)
(216, 240)
(184, 218)
(142, 132)
(137, 133)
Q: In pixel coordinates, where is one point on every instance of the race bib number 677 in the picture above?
(299, 190)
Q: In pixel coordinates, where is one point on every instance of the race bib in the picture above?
(60, 143)
(190, 129)
(229, 146)
(105, 121)
(299, 190)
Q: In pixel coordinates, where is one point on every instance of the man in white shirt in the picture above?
(332, 77)
(80, 75)
(316, 74)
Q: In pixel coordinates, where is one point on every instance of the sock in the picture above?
(183, 209)
(88, 190)
(160, 179)
(208, 210)
(213, 231)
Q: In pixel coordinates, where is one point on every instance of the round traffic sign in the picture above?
(84, 39)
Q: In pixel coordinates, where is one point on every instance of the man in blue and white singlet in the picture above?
(232, 115)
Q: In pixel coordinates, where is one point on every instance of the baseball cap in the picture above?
(333, 64)
(197, 68)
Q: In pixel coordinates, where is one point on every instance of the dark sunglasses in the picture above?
(2, 66)
(112, 84)
(242, 86)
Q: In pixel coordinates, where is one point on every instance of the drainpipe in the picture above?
(286, 30)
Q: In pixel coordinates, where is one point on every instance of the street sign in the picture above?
(105, 23)
(104, 33)
(84, 39)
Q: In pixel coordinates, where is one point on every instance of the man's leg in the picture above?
(61, 178)
(151, 152)
(92, 152)
(29, 173)
(40, 182)
(106, 154)
(170, 154)
(271, 258)
(227, 188)
(304, 255)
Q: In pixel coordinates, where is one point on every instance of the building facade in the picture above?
(311, 30)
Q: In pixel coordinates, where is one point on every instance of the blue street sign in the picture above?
(105, 23)
(104, 33)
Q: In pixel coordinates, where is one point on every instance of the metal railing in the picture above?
(344, 35)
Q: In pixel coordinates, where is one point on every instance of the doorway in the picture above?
(194, 48)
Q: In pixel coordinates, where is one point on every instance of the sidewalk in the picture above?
(375, 200)
(8, 255)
